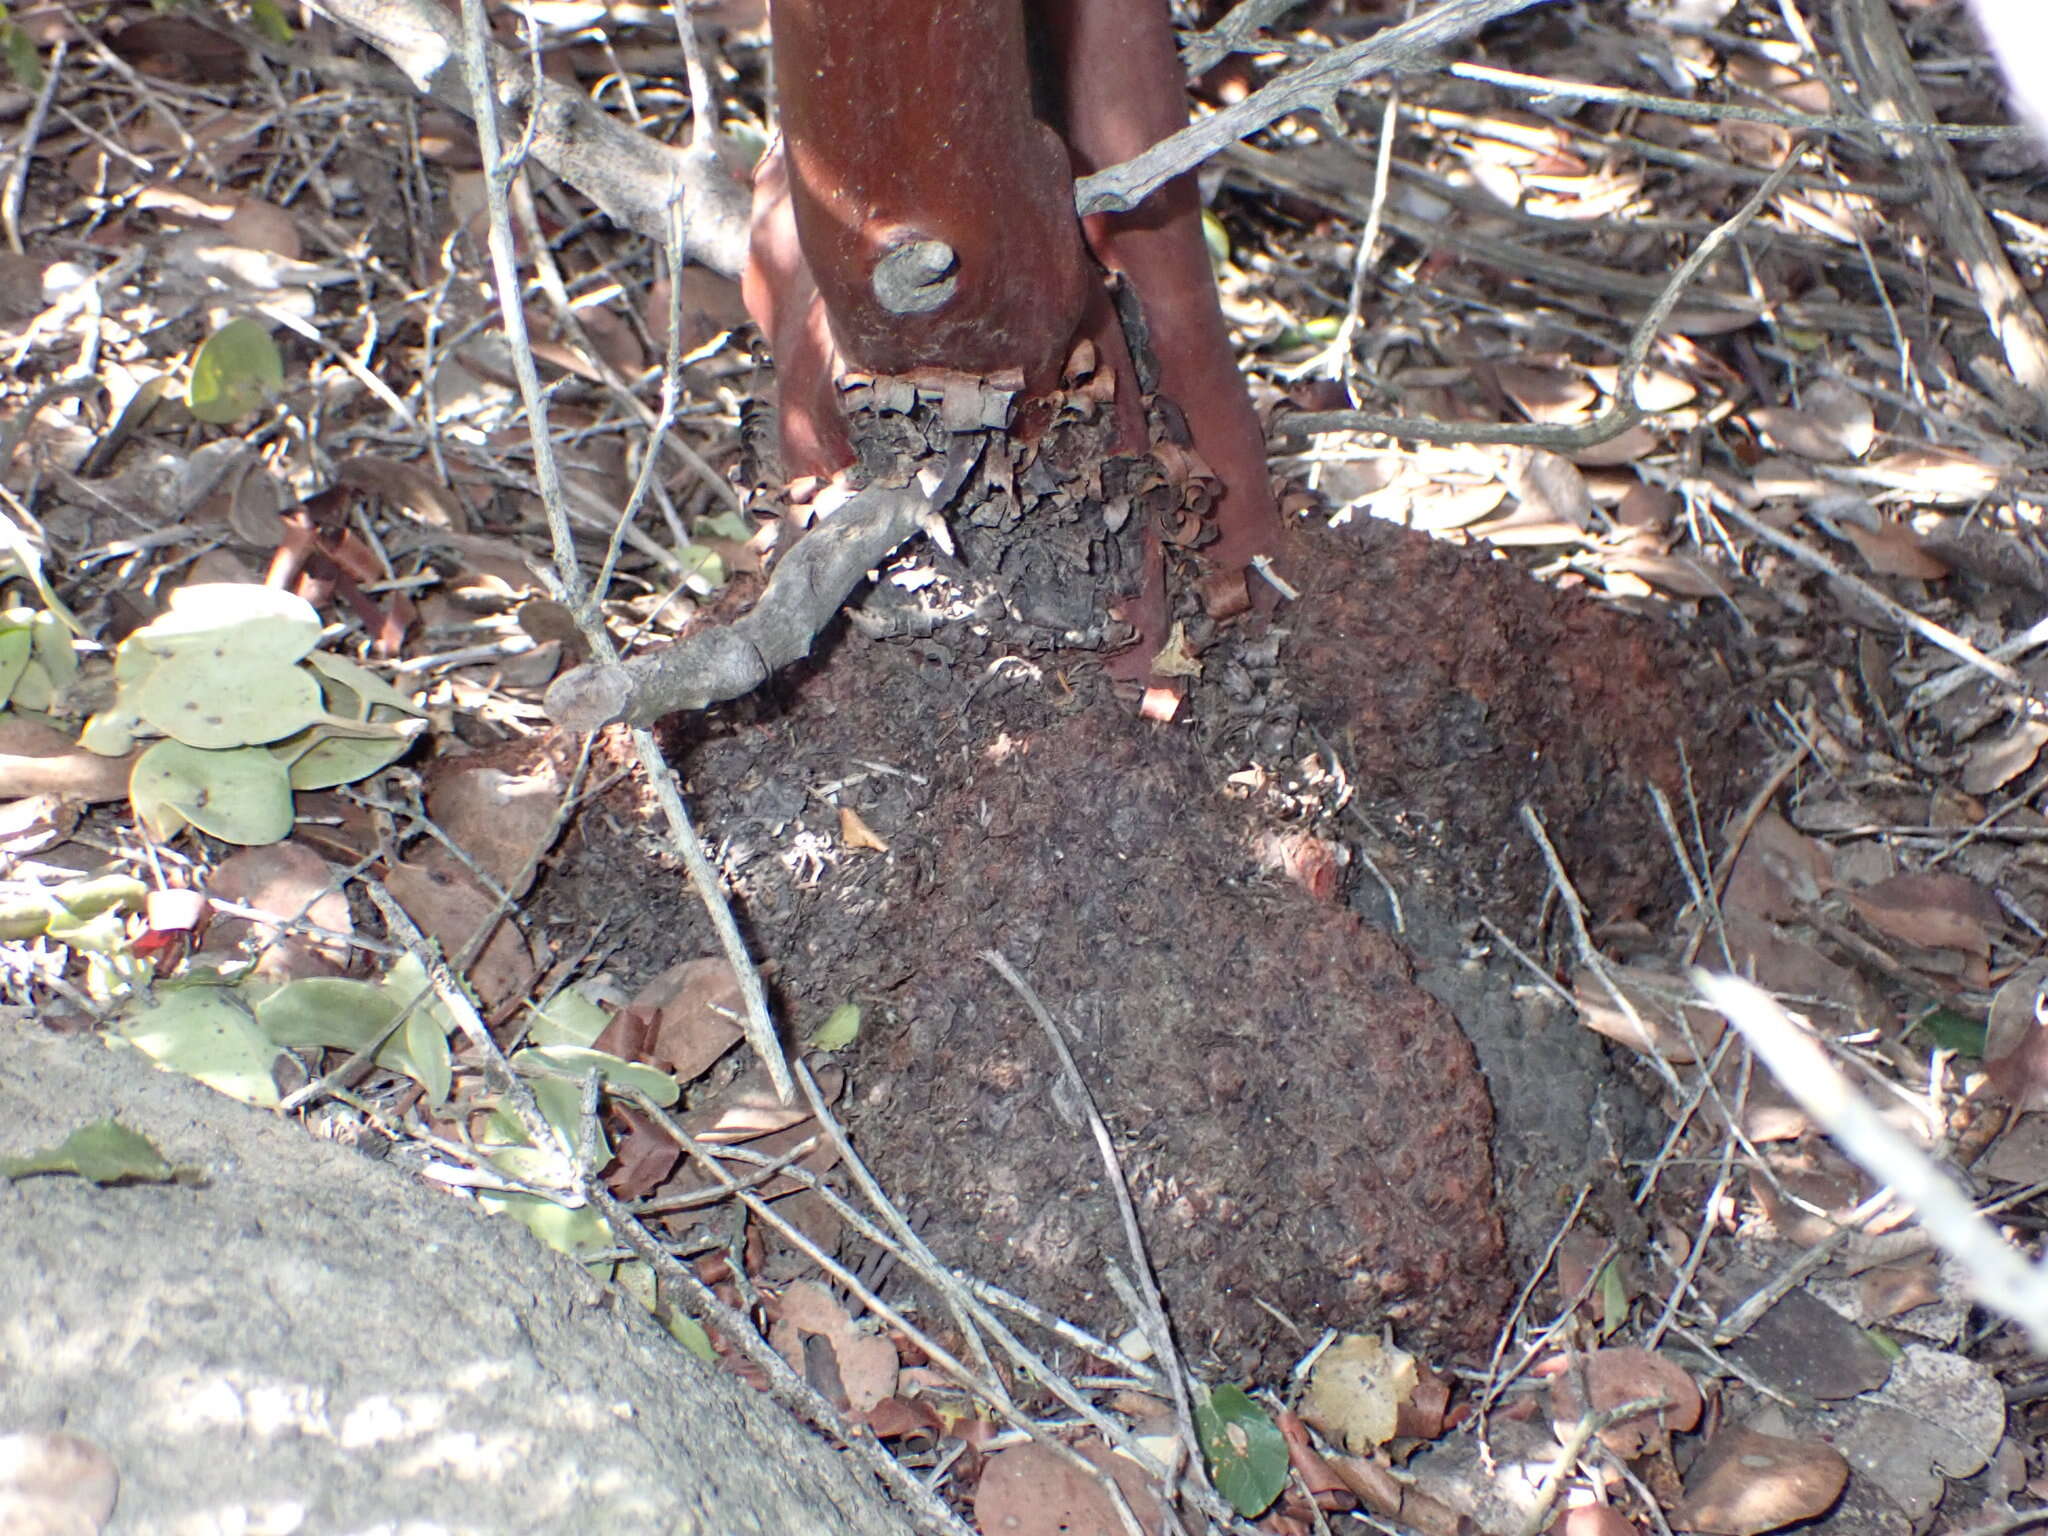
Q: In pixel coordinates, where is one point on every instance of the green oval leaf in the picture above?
(352, 690)
(207, 698)
(17, 641)
(105, 1152)
(241, 796)
(574, 1061)
(228, 617)
(331, 1012)
(840, 1029)
(1246, 1453)
(572, 1232)
(320, 758)
(205, 1034)
(567, 1018)
(238, 370)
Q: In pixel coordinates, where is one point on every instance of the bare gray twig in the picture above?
(711, 665)
(632, 177)
(1412, 44)
(1998, 1275)
(1622, 411)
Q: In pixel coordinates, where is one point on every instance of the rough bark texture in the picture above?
(309, 1330)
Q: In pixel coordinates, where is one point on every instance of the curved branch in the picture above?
(632, 177)
(1121, 188)
(711, 665)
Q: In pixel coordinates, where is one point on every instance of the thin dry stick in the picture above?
(1496, 1383)
(1897, 612)
(1590, 1424)
(1740, 1319)
(1543, 86)
(1622, 410)
(987, 1388)
(784, 1384)
(1158, 1326)
(1233, 34)
(1575, 911)
(25, 151)
(759, 1023)
(1939, 687)
(1705, 899)
(703, 105)
(1412, 44)
(912, 1256)
(968, 1315)
(985, 1384)
(1868, 35)
(498, 1073)
(1683, 1277)
(2000, 1278)
(1744, 824)
(1334, 361)
(632, 177)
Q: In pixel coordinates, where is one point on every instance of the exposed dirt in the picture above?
(1305, 1128)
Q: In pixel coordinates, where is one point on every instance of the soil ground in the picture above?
(1310, 957)
(1307, 1132)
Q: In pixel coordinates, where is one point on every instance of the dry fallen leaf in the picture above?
(2016, 1038)
(1998, 759)
(856, 833)
(1787, 429)
(1892, 549)
(1887, 1290)
(1745, 1484)
(1028, 1491)
(1842, 414)
(1454, 502)
(447, 903)
(866, 1360)
(1933, 910)
(288, 881)
(1810, 1193)
(1593, 1520)
(1650, 1022)
(1935, 475)
(696, 1012)
(1356, 1390)
(1546, 394)
(1316, 1474)
(1618, 1376)
(1677, 574)
(36, 759)
(502, 816)
(1779, 873)
(1174, 659)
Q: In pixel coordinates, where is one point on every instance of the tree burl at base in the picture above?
(1305, 1128)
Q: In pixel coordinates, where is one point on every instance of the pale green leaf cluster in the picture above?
(88, 915)
(231, 1035)
(249, 712)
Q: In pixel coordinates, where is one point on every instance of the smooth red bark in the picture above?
(908, 121)
(1123, 92)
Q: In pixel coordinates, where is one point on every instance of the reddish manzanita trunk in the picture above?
(919, 214)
